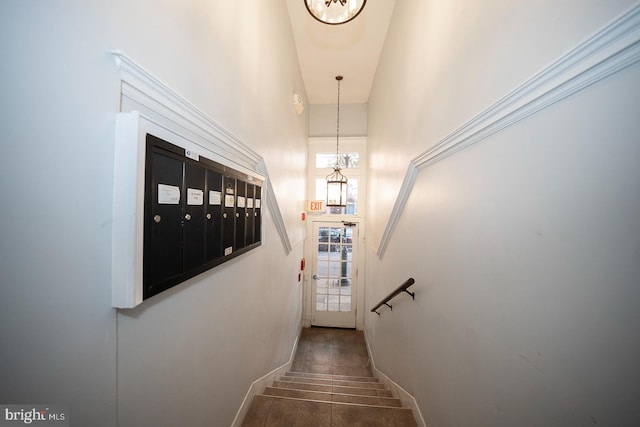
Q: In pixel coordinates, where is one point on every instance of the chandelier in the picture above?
(336, 181)
(334, 12)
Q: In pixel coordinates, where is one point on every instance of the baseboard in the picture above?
(259, 385)
(407, 399)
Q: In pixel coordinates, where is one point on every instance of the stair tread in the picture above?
(333, 388)
(324, 396)
(345, 383)
(332, 376)
(332, 402)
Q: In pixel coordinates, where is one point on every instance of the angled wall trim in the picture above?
(272, 204)
(613, 48)
(143, 92)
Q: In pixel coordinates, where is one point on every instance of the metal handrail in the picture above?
(402, 288)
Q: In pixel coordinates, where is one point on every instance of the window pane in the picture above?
(346, 160)
(352, 196)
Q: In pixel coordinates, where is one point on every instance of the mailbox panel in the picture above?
(196, 215)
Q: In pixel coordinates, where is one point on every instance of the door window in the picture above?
(334, 302)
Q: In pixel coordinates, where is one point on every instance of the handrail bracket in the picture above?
(402, 288)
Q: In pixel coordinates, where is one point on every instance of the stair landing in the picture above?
(330, 384)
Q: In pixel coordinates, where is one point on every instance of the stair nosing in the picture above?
(331, 376)
(332, 385)
(379, 385)
(335, 403)
(333, 392)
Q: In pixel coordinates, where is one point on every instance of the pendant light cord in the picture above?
(338, 78)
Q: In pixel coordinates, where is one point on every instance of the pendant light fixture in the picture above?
(334, 12)
(336, 181)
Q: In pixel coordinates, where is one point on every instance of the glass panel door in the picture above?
(334, 275)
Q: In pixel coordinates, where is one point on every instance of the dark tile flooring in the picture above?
(332, 351)
(327, 356)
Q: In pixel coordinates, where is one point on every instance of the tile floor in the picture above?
(334, 352)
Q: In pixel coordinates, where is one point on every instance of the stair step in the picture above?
(328, 388)
(344, 383)
(389, 402)
(331, 377)
(275, 410)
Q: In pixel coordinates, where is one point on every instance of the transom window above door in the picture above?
(345, 160)
(351, 159)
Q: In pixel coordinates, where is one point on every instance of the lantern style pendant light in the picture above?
(334, 12)
(336, 181)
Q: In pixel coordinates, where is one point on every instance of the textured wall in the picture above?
(525, 246)
(186, 357)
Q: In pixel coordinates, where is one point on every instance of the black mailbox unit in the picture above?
(197, 215)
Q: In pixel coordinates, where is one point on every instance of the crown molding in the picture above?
(612, 49)
(143, 92)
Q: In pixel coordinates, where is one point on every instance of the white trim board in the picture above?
(406, 398)
(141, 91)
(613, 48)
(261, 383)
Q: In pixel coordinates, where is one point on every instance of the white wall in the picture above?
(185, 357)
(323, 120)
(525, 247)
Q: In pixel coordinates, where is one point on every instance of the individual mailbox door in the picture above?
(213, 216)
(193, 219)
(229, 216)
(163, 224)
(250, 226)
(241, 209)
(257, 214)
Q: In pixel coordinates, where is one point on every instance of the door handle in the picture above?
(314, 277)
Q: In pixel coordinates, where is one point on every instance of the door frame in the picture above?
(358, 280)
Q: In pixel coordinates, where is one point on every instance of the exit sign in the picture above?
(316, 206)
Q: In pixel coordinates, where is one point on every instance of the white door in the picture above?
(334, 274)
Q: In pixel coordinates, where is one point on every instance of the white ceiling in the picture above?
(350, 50)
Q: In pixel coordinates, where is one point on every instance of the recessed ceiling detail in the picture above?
(352, 49)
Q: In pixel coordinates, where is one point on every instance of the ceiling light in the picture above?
(334, 12)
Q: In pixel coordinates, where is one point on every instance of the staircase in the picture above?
(305, 398)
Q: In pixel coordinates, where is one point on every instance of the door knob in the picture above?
(314, 277)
